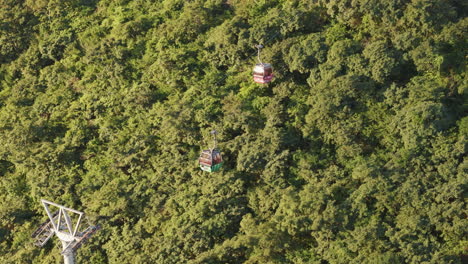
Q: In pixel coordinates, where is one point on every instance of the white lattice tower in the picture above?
(61, 224)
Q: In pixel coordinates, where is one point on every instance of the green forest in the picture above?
(356, 152)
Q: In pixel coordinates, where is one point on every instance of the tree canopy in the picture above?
(354, 153)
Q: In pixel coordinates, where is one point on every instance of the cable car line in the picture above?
(254, 53)
(210, 160)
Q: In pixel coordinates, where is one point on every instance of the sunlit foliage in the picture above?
(355, 153)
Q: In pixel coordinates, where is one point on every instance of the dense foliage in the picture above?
(355, 153)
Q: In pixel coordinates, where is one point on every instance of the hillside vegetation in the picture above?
(355, 153)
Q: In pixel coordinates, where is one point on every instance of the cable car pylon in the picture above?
(61, 224)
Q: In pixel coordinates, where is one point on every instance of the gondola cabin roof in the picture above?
(262, 68)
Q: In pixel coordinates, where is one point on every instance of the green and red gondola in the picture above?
(210, 160)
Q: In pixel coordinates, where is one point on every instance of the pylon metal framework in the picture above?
(61, 224)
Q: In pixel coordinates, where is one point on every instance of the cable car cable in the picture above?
(257, 52)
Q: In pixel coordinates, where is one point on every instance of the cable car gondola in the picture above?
(210, 159)
(262, 72)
